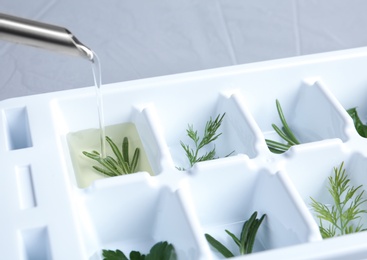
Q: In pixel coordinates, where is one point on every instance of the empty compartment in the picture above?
(17, 126)
(135, 215)
(310, 169)
(225, 194)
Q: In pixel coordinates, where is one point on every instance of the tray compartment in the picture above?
(312, 113)
(317, 115)
(241, 134)
(176, 131)
(226, 193)
(138, 126)
(134, 213)
(310, 168)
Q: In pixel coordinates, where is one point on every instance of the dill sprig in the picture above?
(210, 135)
(119, 166)
(346, 208)
(285, 133)
(246, 240)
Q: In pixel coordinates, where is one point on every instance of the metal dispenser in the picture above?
(42, 35)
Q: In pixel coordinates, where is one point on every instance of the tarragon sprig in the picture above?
(360, 127)
(246, 240)
(210, 135)
(119, 166)
(346, 207)
(285, 133)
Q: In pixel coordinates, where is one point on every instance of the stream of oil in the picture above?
(97, 76)
(86, 140)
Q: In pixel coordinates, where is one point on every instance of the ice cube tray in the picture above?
(47, 213)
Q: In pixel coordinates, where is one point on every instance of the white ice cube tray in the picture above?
(47, 214)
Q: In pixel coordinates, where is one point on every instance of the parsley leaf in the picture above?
(113, 255)
(160, 251)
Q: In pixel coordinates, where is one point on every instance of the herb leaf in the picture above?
(161, 251)
(135, 255)
(210, 135)
(285, 133)
(345, 209)
(219, 246)
(113, 255)
(119, 166)
(360, 127)
(246, 241)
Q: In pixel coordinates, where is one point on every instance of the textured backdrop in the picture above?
(144, 38)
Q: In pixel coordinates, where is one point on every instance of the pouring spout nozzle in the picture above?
(42, 35)
(83, 50)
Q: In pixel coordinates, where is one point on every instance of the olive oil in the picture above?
(97, 76)
(88, 140)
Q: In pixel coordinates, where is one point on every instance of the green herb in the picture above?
(246, 240)
(210, 135)
(119, 166)
(160, 251)
(113, 255)
(347, 201)
(285, 133)
(360, 127)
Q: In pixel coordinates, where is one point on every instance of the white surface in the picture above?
(137, 210)
(143, 38)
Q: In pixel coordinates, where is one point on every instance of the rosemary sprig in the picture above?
(285, 133)
(346, 208)
(246, 240)
(360, 127)
(119, 166)
(161, 251)
(210, 135)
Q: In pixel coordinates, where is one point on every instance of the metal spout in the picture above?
(42, 35)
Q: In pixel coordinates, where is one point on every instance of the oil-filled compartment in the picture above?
(81, 134)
